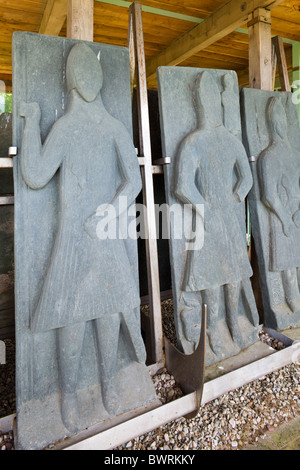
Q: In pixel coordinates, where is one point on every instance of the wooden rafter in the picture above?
(54, 16)
(222, 22)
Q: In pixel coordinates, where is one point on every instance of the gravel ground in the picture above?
(234, 421)
(231, 422)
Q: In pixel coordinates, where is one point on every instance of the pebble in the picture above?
(6, 441)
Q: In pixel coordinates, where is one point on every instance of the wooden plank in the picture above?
(286, 29)
(115, 16)
(18, 17)
(227, 50)
(80, 19)
(5, 64)
(194, 8)
(23, 5)
(274, 65)
(211, 63)
(5, 48)
(54, 16)
(137, 63)
(223, 21)
(8, 28)
(6, 72)
(219, 59)
(260, 49)
(288, 11)
(281, 63)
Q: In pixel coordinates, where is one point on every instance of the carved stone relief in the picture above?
(271, 136)
(85, 305)
(202, 134)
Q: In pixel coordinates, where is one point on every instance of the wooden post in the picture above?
(274, 65)
(261, 75)
(278, 50)
(80, 19)
(260, 49)
(138, 70)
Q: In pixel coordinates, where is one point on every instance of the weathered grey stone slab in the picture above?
(201, 133)
(272, 139)
(80, 354)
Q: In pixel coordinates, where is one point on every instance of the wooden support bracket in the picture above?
(260, 15)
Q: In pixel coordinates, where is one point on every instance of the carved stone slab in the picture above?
(201, 133)
(80, 355)
(272, 140)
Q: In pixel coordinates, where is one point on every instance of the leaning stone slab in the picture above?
(272, 139)
(80, 355)
(206, 185)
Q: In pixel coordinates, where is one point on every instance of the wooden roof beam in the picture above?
(54, 17)
(220, 23)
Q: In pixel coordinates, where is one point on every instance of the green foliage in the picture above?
(5, 103)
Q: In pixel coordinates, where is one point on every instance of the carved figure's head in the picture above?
(228, 82)
(207, 100)
(84, 72)
(277, 117)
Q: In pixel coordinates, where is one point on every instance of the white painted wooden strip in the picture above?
(124, 432)
(6, 162)
(244, 375)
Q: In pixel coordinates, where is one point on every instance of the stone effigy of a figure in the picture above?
(278, 168)
(206, 161)
(89, 277)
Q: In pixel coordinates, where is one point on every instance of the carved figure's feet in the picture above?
(294, 305)
(190, 319)
(236, 335)
(215, 342)
(109, 396)
(70, 412)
